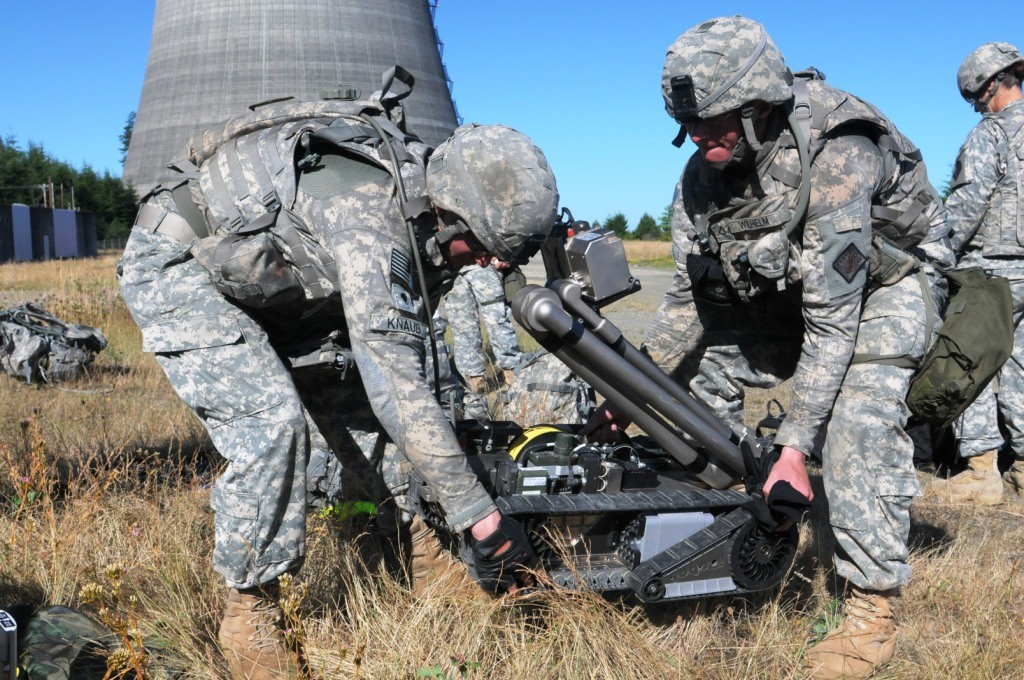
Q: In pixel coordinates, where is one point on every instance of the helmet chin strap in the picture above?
(981, 103)
(443, 236)
(749, 134)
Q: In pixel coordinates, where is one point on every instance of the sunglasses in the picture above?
(983, 95)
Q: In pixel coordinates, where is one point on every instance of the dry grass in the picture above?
(650, 254)
(113, 470)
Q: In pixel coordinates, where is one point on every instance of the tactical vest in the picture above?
(734, 229)
(242, 178)
(1001, 232)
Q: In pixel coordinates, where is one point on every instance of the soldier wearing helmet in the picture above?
(806, 235)
(373, 226)
(478, 291)
(478, 297)
(985, 212)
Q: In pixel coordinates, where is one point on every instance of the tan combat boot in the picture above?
(865, 640)
(430, 562)
(1013, 479)
(251, 637)
(979, 483)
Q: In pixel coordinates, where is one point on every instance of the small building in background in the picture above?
(35, 233)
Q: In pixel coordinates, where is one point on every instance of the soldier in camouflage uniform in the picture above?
(806, 236)
(544, 390)
(483, 193)
(985, 211)
(479, 294)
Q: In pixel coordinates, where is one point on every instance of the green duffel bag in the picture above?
(59, 643)
(974, 342)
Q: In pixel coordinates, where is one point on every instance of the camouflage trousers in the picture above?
(479, 294)
(220, 361)
(867, 468)
(978, 429)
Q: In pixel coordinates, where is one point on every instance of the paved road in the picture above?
(632, 314)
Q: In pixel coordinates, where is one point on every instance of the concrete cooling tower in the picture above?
(210, 59)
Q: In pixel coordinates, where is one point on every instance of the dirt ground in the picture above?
(633, 313)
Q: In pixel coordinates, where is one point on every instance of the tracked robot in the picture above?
(676, 513)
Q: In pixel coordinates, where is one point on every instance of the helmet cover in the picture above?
(721, 65)
(496, 181)
(984, 63)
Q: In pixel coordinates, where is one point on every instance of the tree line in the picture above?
(24, 172)
(647, 229)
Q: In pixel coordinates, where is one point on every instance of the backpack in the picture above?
(974, 342)
(239, 181)
(59, 643)
(544, 390)
(38, 346)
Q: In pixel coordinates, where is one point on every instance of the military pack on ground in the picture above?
(38, 347)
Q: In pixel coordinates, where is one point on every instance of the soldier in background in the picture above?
(985, 212)
(478, 294)
(806, 235)
(485, 192)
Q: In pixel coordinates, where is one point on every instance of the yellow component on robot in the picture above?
(533, 436)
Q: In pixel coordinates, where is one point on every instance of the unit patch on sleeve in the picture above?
(849, 262)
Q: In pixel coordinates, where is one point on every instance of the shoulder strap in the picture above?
(802, 107)
(800, 125)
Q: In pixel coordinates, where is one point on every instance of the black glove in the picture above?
(758, 468)
(497, 573)
(783, 503)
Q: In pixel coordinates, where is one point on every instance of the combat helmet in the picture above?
(499, 185)
(982, 64)
(721, 65)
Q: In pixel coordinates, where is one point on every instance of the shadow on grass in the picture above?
(21, 599)
(933, 538)
(106, 370)
(191, 459)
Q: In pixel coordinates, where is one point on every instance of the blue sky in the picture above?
(581, 77)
